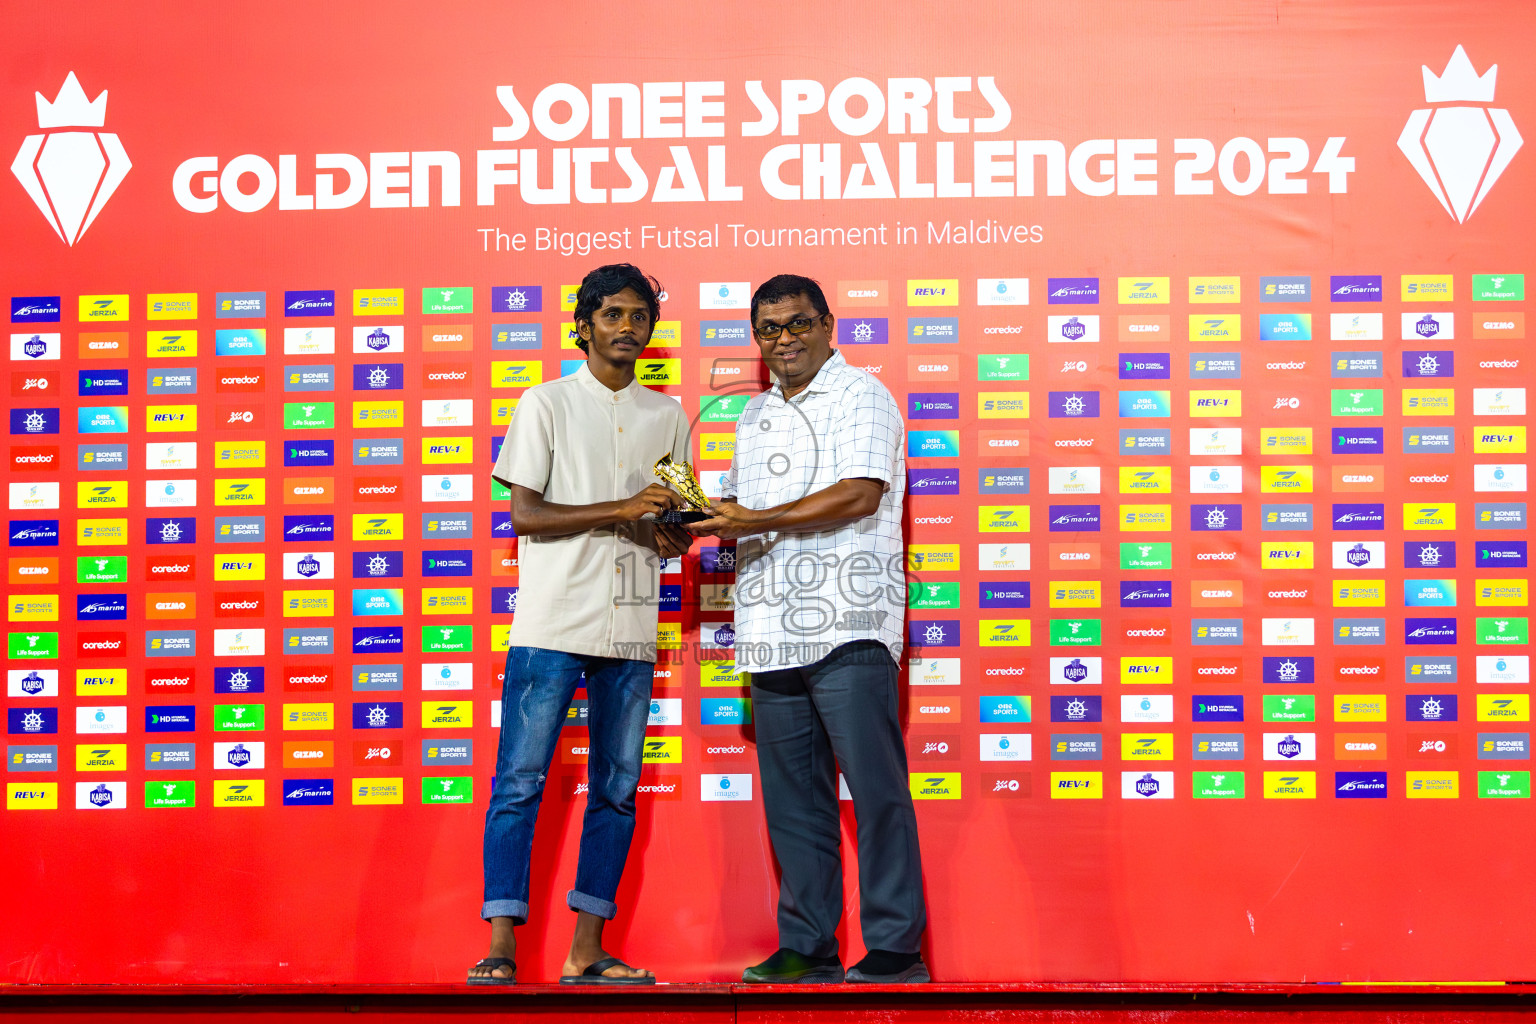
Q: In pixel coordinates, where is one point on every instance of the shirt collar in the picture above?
(602, 391)
(825, 378)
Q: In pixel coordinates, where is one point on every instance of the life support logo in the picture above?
(71, 174)
(1460, 151)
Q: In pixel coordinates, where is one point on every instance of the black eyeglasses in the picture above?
(769, 332)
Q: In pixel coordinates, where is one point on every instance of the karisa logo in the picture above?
(1460, 151)
(70, 175)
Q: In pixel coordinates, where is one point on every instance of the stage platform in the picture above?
(781, 1004)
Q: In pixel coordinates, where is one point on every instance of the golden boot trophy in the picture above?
(679, 476)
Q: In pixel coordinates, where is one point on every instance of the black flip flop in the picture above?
(491, 963)
(594, 975)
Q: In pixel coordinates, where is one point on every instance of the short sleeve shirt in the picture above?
(801, 594)
(578, 443)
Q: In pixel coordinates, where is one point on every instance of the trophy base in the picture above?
(680, 516)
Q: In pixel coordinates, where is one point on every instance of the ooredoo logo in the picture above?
(166, 567)
(30, 457)
(245, 379)
(70, 175)
(377, 488)
(1460, 150)
(243, 604)
(101, 645)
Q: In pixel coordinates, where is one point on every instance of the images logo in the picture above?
(70, 175)
(1460, 151)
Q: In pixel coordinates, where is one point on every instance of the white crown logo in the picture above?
(1459, 81)
(71, 109)
(70, 175)
(1460, 151)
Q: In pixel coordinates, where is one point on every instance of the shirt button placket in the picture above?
(614, 545)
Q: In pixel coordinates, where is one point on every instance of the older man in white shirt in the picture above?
(815, 496)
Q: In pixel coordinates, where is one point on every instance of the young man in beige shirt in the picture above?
(578, 457)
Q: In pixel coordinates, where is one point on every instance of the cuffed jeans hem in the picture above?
(591, 904)
(517, 910)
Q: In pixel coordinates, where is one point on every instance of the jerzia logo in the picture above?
(70, 175)
(1460, 150)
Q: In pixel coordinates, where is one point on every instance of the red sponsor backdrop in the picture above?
(1127, 115)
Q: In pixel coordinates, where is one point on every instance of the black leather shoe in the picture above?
(787, 967)
(883, 967)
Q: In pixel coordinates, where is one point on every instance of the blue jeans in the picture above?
(538, 690)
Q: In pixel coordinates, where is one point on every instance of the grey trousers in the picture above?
(839, 713)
